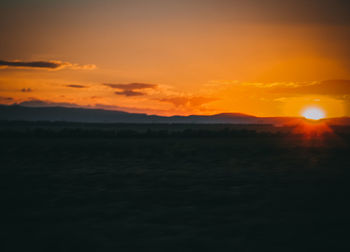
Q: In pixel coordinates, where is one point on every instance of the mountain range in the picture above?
(68, 114)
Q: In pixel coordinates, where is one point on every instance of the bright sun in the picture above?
(313, 113)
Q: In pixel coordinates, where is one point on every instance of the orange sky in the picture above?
(177, 57)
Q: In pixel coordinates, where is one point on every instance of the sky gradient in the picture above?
(167, 57)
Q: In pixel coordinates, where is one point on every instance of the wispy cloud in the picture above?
(336, 88)
(278, 84)
(26, 90)
(76, 86)
(129, 93)
(48, 65)
(187, 101)
(5, 100)
(330, 87)
(131, 89)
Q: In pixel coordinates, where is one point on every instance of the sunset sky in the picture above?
(167, 57)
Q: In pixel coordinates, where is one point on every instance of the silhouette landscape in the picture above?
(175, 125)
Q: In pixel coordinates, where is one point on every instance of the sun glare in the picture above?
(313, 113)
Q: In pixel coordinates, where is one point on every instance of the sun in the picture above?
(313, 113)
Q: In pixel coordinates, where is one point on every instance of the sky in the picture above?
(177, 57)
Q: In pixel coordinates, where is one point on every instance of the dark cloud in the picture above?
(338, 88)
(26, 90)
(32, 64)
(129, 93)
(184, 101)
(76, 86)
(131, 89)
(131, 86)
(50, 65)
(5, 99)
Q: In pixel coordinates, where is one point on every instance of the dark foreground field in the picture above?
(223, 192)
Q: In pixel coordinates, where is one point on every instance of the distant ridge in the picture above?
(65, 114)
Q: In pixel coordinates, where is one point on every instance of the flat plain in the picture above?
(173, 188)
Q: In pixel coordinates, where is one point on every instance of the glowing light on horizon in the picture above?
(313, 113)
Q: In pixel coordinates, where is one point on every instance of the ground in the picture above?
(220, 192)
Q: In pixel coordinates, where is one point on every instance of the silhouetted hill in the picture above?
(23, 113)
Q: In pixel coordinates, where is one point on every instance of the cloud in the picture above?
(26, 90)
(129, 93)
(337, 88)
(5, 100)
(278, 84)
(48, 65)
(187, 101)
(76, 86)
(131, 89)
(131, 86)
